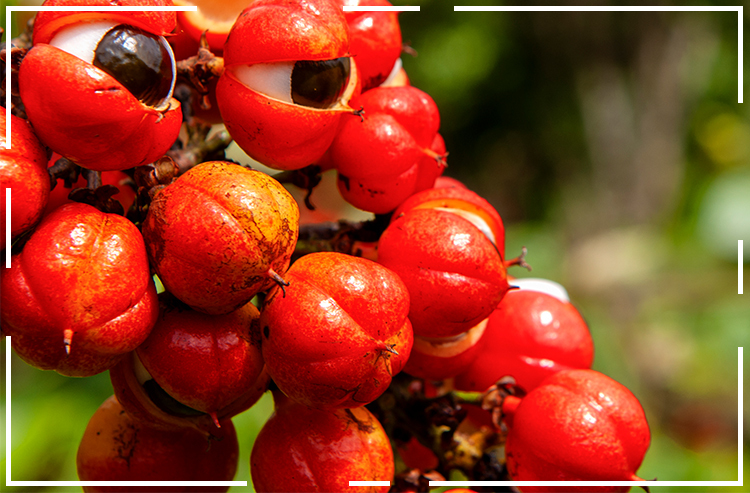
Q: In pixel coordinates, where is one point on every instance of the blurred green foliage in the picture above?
(614, 148)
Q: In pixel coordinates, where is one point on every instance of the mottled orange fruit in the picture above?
(218, 234)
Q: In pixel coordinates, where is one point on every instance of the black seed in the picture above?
(139, 60)
(319, 84)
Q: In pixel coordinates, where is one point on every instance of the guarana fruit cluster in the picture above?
(382, 359)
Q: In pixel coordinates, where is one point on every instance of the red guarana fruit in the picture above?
(465, 203)
(375, 41)
(79, 296)
(206, 362)
(220, 234)
(305, 449)
(340, 332)
(117, 447)
(577, 425)
(99, 115)
(448, 182)
(23, 169)
(435, 358)
(379, 159)
(531, 335)
(446, 245)
(288, 80)
(147, 402)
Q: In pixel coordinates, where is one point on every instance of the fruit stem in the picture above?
(278, 280)
(360, 113)
(67, 340)
(440, 158)
(520, 260)
(387, 347)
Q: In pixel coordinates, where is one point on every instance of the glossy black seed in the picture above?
(139, 60)
(319, 84)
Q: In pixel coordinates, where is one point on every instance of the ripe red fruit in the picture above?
(375, 41)
(116, 447)
(203, 361)
(98, 115)
(23, 169)
(531, 335)
(578, 425)
(220, 234)
(340, 332)
(454, 273)
(79, 296)
(465, 203)
(288, 80)
(304, 449)
(135, 387)
(379, 159)
(440, 358)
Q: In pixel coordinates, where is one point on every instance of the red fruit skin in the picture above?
(325, 342)
(287, 30)
(375, 41)
(84, 271)
(214, 233)
(447, 182)
(600, 422)
(436, 359)
(112, 129)
(530, 336)
(279, 134)
(117, 447)
(137, 403)
(23, 170)
(460, 199)
(204, 361)
(430, 167)
(304, 449)
(380, 160)
(454, 274)
(47, 24)
(362, 148)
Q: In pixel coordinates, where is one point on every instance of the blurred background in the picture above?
(614, 148)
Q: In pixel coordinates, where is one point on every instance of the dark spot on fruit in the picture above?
(345, 179)
(266, 331)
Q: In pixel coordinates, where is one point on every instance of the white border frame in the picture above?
(8, 481)
(739, 9)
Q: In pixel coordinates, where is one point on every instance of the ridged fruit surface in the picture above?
(340, 332)
(116, 447)
(79, 295)
(216, 233)
(600, 422)
(304, 449)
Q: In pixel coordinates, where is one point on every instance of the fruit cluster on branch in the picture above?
(397, 349)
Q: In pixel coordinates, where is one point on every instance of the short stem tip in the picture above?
(67, 340)
(278, 280)
(215, 418)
